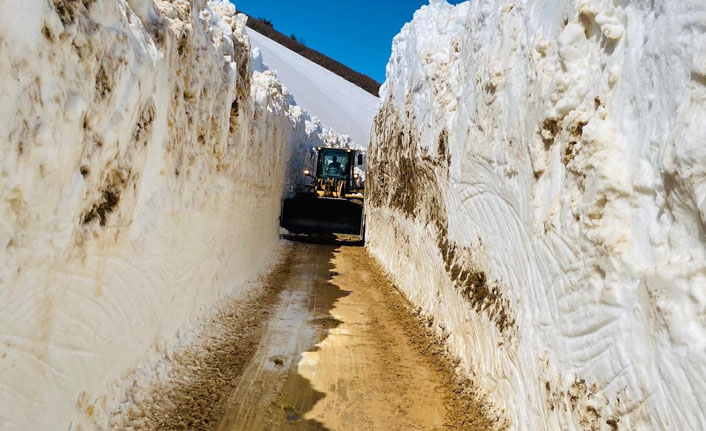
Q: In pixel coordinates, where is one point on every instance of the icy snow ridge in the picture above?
(545, 177)
(143, 162)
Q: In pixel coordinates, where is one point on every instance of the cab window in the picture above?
(334, 163)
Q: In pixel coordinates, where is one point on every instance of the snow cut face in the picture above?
(553, 148)
(135, 133)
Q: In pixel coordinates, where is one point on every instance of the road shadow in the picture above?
(298, 395)
(199, 393)
(311, 269)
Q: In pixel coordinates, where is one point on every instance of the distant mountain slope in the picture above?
(363, 81)
(339, 104)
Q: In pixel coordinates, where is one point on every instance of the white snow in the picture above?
(142, 163)
(549, 151)
(339, 104)
(308, 132)
(305, 134)
(576, 185)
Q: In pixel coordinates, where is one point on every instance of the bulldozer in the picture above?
(332, 203)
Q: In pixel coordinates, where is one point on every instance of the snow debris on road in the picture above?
(538, 187)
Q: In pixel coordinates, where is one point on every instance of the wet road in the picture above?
(341, 351)
(325, 343)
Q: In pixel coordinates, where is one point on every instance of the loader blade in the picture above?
(314, 215)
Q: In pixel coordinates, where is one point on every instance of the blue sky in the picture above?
(358, 33)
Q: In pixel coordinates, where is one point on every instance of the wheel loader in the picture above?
(333, 201)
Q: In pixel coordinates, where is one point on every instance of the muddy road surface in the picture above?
(339, 353)
(330, 345)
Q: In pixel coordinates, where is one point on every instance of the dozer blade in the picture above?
(310, 214)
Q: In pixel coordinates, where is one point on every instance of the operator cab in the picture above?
(334, 163)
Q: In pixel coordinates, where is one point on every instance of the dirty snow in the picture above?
(138, 143)
(538, 187)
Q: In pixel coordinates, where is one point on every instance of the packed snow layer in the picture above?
(538, 187)
(142, 166)
(339, 104)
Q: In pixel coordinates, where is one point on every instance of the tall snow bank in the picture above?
(142, 168)
(538, 187)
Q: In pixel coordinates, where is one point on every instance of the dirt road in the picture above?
(326, 344)
(343, 352)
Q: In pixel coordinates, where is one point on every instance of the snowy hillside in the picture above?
(339, 104)
(538, 187)
(137, 144)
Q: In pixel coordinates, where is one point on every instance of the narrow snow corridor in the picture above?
(529, 186)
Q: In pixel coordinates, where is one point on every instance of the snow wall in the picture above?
(538, 187)
(143, 163)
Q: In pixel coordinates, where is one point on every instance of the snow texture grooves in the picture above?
(575, 184)
(142, 163)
